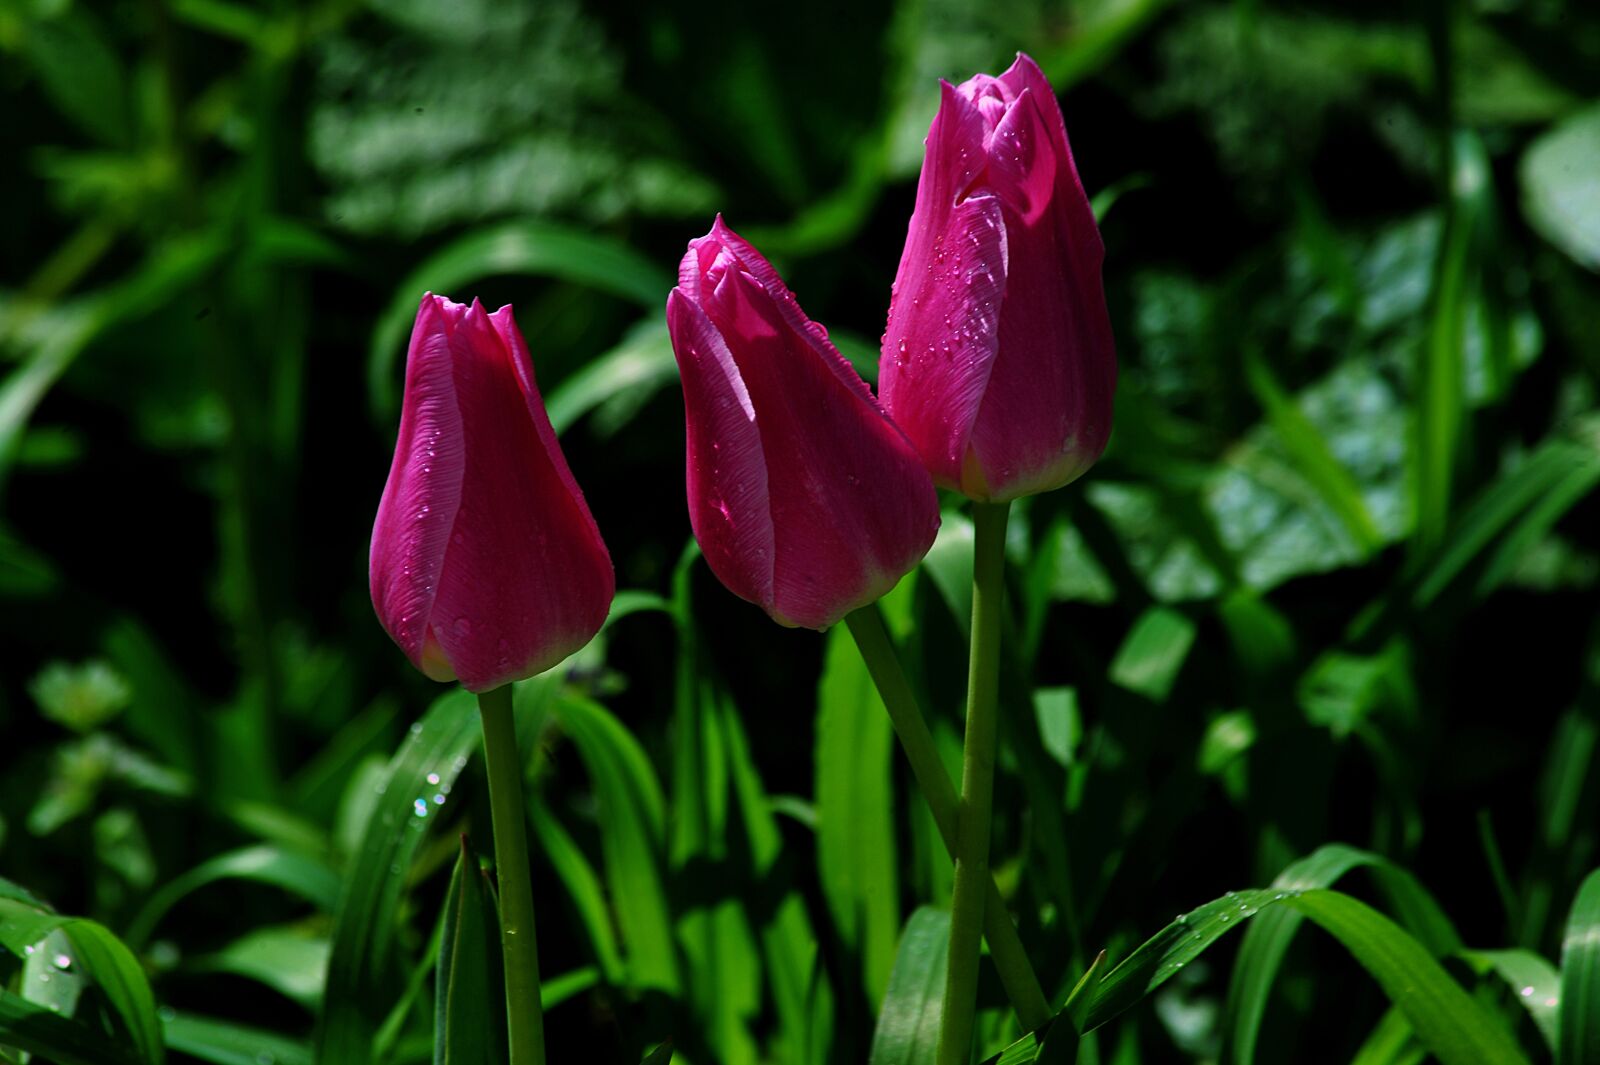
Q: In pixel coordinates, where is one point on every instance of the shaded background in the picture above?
(1334, 580)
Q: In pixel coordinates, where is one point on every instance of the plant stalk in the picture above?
(520, 945)
(1005, 946)
(977, 785)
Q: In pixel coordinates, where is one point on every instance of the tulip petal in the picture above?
(526, 579)
(423, 492)
(851, 507)
(944, 332)
(727, 472)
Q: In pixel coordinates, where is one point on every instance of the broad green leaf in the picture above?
(267, 864)
(908, 1023)
(538, 249)
(99, 955)
(1454, 1027)
(289, 960)
(1533, 981)
(631, 817)
(363, 970)
(82, 74)
(33, 1028)
(226, 1043)
(618, 383)
(469, 1026)
(856, 849)
(1153, 652)
(1580, 978)
(1560, 174)
(1255, 971)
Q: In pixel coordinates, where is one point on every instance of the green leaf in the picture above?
(856, 850)
(1454, 1027)
(1580, 978)
(1255, 972)
(99, 955)
(288, 959)
(583, 888)
(295, 873)
(226, 1043)
(1560, 174)
(536, 249)
(631, 817)
(1153, 652)
(618, 383)
(82, 75)
(1312, 455)
(1533, 981)
(363, 970)
(33, 1028)
(908, 1023)
(469, 998)
(661, 1055)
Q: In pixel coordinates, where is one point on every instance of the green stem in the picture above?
(1005, 946)
(524, 1015)
(977, 784)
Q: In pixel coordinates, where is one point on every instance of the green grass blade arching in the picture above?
(100, 956)
(296, 873)
(533, 248)
(1454, 1027)
(362, 968)
(1267, 940)
(1580, 978)
(908, 1024)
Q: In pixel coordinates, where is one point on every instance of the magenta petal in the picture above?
(943, 334)
(486, 564)
(527, 580)
(845, 507)
(1036, 412)
(419, 502)
(727, 474)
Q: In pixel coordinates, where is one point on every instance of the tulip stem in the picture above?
(1005, 946)
(520, 945)
(977, 784)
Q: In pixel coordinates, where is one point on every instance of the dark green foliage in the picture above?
(1322, 622)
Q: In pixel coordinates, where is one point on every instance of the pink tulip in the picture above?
(486, 564)
(998, 360)
(806, 499)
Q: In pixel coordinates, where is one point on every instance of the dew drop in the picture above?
(1527, 992)
(420, 806)
(433, 778)
(61, 961)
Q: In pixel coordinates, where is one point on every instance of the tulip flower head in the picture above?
(804, 496)
(998, 360)
(486, 564)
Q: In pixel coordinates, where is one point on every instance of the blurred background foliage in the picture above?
(1335, 580)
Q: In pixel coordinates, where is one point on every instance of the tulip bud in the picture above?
(805, 497)
(998, 360)
(486, 564)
